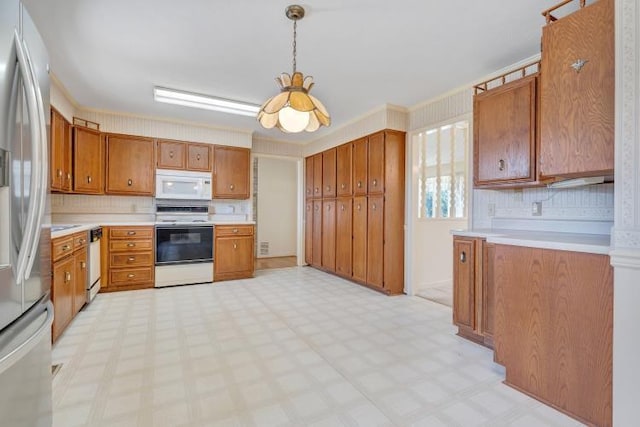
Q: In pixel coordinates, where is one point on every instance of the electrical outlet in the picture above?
(491, 209)
(536, 208)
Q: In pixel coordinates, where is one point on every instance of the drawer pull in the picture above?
(131, 233)
(66, 247)
(82, 241)
(235, 230)
(198, 157)
(131, 259)
(131, 275)
(171, 154)
(501, 165)
(463, 257)
(129, 182)
(131, 245)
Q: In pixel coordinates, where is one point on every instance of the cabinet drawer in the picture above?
(130, 245)
(131, 276)
(131, 259)
(131, 233)
(234, 230)
(61, 247)
(80, 240)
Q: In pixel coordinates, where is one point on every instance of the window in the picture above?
(442, 176)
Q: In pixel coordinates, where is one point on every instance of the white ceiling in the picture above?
(361, 53)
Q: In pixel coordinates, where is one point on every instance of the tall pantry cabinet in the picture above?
(355, 211)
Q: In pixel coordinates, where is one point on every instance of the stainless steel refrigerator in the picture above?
(26, 312)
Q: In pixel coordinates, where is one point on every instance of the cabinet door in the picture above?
(130, 165)
(343, 236)
(62, 295)
(60, 153)
(375, 168)
(308, 177)
(171, 155)
(375, 241)
(199, 157)
(329, 173)
(504, 139)
(488, 293)
(80, 280)
(316, 250)
(230, 172)
(464, 308)
(343, 169)
(360, 154)
(88, 161)
(233, 255)
(359, 248)
(308, 232)
(329, 235)
(577, 120)
(317, 175)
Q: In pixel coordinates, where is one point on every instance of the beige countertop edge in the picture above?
(86, 227)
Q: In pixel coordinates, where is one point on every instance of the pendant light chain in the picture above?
(295, 27)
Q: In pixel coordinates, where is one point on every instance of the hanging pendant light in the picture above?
(294, 109)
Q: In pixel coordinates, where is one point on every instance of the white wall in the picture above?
(277, 206)
(60, 99)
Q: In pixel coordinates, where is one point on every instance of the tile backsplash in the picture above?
(593, 202)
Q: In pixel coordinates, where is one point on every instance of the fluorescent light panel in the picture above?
(206, 102)
(577, 182)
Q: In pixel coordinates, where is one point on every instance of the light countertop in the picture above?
(85, 227)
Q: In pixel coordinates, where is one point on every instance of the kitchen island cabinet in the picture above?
(233, 252)
(130, 165)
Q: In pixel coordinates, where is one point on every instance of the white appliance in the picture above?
(183, 185)
(93, 284)
(26, 312)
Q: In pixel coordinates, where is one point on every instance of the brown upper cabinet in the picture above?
(180, 155)
(343, 169)
(317, 175)
(230, 172)
(375, 167)
(360, 150)
(199, 157)
(88, 161)
(308, 176)
(505, 133)
(577, 93)
(60, 153)
(329, 173)
(130, 165)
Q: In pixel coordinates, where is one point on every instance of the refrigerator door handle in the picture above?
(27, 345)
(30, 230)
(40, 157)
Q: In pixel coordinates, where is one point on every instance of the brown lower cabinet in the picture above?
(233, 252)
(359, 248)
(344, 220)
(553, 328)
(308, 232)
(128, 260)
(329, 235)
(316, 233)
(375, 241)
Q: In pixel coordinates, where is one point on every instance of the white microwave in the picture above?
(183, 185)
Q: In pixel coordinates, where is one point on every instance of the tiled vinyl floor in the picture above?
(292, 347)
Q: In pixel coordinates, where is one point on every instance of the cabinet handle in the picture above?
(375, 182)
(129, 182)
(342, 186)
(89, 180)
(463, 257)
(316, 190)
(231, 187)
(66, 247)
(359, 184)
(131, 233)
(131, 275)
(131, 245)
(342, 208)
(501, 164)
(328, 207)
(579, 64)
(358, 207)
(67, 277)
(83, 265)
(171, 154)
(315, 208)
(235, 230)
(131, 259)
(373, 207)
(235, 246)
(59, 173)
(328, 188)
(198, 157)
(82, 241)
(68, 177)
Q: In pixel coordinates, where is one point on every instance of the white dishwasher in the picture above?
(93, 284)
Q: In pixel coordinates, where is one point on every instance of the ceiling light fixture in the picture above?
(196, 100)
(294, 109)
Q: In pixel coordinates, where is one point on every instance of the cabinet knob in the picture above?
(373, 207)
(131, 259)
(131, 275)
(358, 206)
(316, 208)
(342, 208)
(235, 230)
(579, 64)
(67, 277)
(89, 179)
(328, 207)
(359, 184)
(131, 245)
(231, 187)
(501, 164)
(316, 190)
(59, 173)
(131, 233)
(171, 154)
(375, 182)
(83, 265)
(463, 257)
(235, 246)
(198, 157)
(129, 182)
(342, 186)
(328, 188)
(68, 177)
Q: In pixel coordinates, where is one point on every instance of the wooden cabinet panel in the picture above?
(235, 230)
(317, 175)
(344, 161)
(329, 235)
(308, 232)
(487, 325)
(553, 330)
(130, 245)
(88, 161)
(199, 157)
(131, 277)
(577, 120)
(130, 165)
(230, 172)
(343, 239)
(329, 173)
(80, 280)
(234, 258)
(308, 177)
(61, 247)
(464, 308)
(171, 154)
(60, 153)
(359, 248)
(62, 295)
(316, 250)
(131, 232)
(129, 258)
(504, 140)
(375, 241)
(360, 154)
(375, 167)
